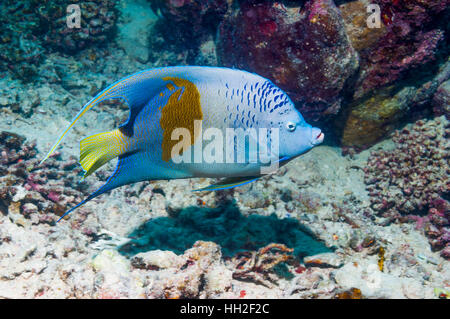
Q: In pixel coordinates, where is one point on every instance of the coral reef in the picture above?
(353, 293)
(97, 24)
(323, 226)
(412, 180)
(368, 120)
(411, 40)
(20, 49)
(30, 194)
(309, 50)
(303, 49)
(185, 32)
(31, 29)
(197, 15)
(407, 38)
(441, 99)
(197, 273)
(320, 53)
(397, 62)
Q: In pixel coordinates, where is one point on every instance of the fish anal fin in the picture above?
(229, 182)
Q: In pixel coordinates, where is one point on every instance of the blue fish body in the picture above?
(188, 121)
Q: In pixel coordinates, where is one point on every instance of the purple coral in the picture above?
(304, 50)
(412, 180)
(36, 192)
(411, 39)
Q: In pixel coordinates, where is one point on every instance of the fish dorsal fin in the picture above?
(229, 182)
(136, 89)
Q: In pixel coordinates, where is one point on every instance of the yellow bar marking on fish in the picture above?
(181, 110)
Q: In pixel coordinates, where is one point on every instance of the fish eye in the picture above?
(290, 126)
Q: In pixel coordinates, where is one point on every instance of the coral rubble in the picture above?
(33, 194)
(198, 273)
(412, 180)
(256, 266)
(97, 24)
(32, 29)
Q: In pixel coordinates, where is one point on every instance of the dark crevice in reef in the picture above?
(225, 226)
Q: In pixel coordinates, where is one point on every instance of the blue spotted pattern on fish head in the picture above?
(296, 136)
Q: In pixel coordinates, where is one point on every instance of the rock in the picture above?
(21, 192)
(110, 260)
(207, 54)
(218, 280)
(28, 102)
(361, 36)
(413, 290)
(201, 273)
(8, 99)
(113, 278)
(408, 38)
(371, 119)
(325, 260)
(441, 99)
(134, 29)
(158, 259)
(29, 208)
(376, 284)
(193, 18)
(72, 82)
(387, 88)
(304, 50)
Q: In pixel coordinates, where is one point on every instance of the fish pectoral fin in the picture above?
(229, 182)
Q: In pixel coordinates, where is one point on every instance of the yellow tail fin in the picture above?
(98, 149)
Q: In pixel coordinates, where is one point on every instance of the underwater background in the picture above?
(364, 215)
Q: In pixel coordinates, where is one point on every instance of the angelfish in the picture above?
(184, 101)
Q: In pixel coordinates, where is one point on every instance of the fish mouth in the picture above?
(319, 138)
